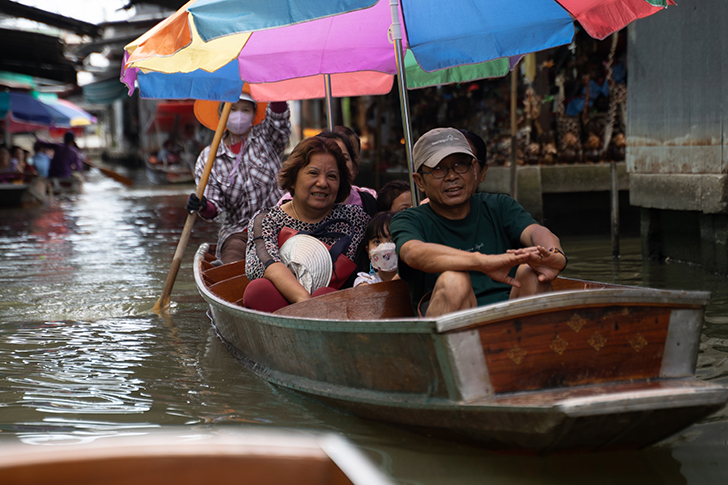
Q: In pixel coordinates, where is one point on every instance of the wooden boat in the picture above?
(19, 190)
(161, 174)
(72, 185)
(591, 366)
(186, 457)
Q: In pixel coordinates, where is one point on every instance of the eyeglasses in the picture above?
(457, 167)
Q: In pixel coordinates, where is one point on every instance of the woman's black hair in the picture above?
(390, 191)
(481, 151)
(332, 135)
(353, 138)
(378, 226)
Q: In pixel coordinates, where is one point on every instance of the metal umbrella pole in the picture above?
(395, 33)
(329, 102)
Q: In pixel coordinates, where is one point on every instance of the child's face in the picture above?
(376, 241)
(401, 202)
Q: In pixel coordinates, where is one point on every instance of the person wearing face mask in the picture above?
(381, 251)
(244, 174)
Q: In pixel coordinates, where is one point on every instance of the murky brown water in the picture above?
(83, 359)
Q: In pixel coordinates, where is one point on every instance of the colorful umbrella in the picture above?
(209, 55)
(76, 115)
(23, 108)
(209, 47)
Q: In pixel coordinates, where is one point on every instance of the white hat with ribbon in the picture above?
(309, 260)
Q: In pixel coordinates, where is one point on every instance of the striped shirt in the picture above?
(254, 185)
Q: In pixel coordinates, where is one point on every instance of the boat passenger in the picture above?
(41, 159)
(243, 177)
(364, 197)
(459, 251)
(5, 160)
(394, 196)
(66, 157)
(316, 176)
(477, 144)
(381, 251)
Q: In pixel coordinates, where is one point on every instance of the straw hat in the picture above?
(207, 112)
(308, 259)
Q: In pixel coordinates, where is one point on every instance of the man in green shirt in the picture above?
(462, 246)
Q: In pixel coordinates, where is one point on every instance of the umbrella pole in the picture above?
(163, 302)
(514, 133)
(329, 103)
(396, 34)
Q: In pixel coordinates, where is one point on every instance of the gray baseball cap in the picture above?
(437, 144)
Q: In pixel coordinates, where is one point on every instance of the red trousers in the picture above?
(262, 295)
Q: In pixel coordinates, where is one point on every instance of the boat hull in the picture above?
(178, 174)
(580, 369)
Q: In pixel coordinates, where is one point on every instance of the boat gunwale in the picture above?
(465, 319)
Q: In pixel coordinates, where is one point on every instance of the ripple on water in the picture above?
(77, 367)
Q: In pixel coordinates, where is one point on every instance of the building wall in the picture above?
(676, 129)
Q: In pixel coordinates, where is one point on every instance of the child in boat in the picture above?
(394, 196)
(381, 252)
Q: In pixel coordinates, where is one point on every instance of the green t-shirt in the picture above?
(493, 226)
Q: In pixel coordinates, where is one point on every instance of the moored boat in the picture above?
(252, 457)
(591, 366)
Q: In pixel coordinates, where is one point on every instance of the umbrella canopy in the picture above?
(209, 47)
(331, 40)
(76, 115)
(23, 108)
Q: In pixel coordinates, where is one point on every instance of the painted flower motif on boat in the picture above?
(517, 354)
(576, 323)
(637, 342)
(597, 341)
(558, 344)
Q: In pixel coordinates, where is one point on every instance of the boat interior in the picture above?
(365, 302)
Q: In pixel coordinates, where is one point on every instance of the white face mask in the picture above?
(384, 257)
(239, 122)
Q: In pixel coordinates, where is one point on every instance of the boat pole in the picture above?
(395, 34)
(163, 302)
(614, 196)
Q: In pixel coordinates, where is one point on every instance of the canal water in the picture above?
(82, 358)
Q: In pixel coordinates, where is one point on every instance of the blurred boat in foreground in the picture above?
(194, 456)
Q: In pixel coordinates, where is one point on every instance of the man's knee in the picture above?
(530, 285)
(453, 283)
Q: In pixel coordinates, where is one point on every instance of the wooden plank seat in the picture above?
(224, 272)
(365, 302)
(231, 289)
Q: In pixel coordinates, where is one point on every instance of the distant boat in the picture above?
(195, 456)
(591, 366)
(160, 174)
(72, 185)
(21, 190)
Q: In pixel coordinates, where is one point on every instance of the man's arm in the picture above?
(437, 258)
(539, 240)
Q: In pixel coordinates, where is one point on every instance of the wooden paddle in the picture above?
(163, 302)
(111, 174)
